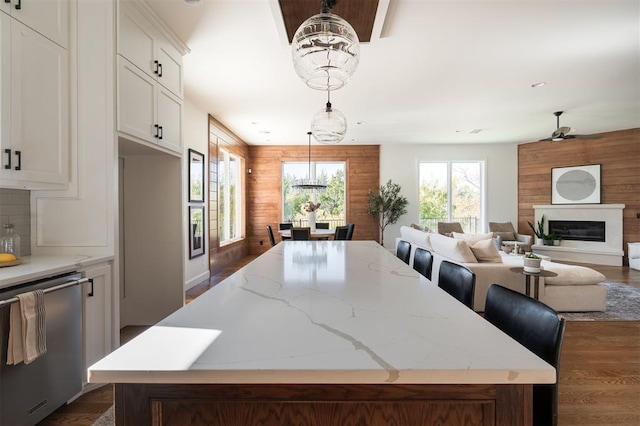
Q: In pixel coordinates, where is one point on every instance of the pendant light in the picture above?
(325, 50)
(329, 125)
(309, 185)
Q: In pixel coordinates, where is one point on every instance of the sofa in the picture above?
(574, 289)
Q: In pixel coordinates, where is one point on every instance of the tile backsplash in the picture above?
(15, 208)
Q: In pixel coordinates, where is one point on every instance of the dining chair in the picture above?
(300, 234)
(341, 233)
(423, 262)
(537, 327)
(403, 251)
(457, 280)
(322, 225)
(351, 227)
(283, 226)
(272, 239)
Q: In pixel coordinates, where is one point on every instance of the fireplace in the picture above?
(591, 233)
(578, 230)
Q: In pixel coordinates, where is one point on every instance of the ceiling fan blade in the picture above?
(586, 136)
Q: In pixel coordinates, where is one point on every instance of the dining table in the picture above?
(314, 235)
(323, 333)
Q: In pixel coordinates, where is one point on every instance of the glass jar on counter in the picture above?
(10, 241)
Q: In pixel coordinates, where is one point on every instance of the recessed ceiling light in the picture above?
(360, 122)
(539, 84)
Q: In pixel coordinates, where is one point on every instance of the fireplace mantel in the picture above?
(609, 252)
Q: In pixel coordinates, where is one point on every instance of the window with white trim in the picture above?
(452, 191)
(229, 197)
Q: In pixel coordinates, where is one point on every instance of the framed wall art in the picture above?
(576, 184)
(196, 176)
(196, 231)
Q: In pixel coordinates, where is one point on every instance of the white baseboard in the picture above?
(196, 280)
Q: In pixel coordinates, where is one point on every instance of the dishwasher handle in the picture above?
(50, 289)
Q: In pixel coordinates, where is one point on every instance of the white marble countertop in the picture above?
(324, 312)
(37, 266)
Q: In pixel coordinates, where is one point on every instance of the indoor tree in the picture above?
(386, 206)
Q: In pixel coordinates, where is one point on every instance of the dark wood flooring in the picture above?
(599, 370)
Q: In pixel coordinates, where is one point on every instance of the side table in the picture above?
(536, 279)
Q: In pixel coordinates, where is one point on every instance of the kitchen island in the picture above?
(319, 333)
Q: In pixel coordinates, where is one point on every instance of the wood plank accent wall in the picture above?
(221, 137)
(618, 153)
(264, 191)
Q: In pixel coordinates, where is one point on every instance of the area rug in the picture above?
(623, 304)
(105, 419)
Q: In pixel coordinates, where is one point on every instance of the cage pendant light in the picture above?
(309, 185)
(329, 126)
(325, 50)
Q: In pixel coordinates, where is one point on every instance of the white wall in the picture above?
(196, 136)
(400, 164)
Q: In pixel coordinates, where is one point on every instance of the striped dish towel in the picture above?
(27, 328)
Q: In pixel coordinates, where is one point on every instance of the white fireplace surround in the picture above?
(609, 252)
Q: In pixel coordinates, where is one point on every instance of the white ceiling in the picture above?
(434, 71)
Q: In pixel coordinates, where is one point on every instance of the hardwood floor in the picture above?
(599, 367)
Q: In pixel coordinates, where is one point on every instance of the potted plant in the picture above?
(539, 231)
(531, 262)
(549, 239)
(386, 206)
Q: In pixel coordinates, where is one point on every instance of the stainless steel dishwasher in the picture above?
(29, 393)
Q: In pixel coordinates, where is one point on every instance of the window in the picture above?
(452, 192)
(229, 197)
(332, 201)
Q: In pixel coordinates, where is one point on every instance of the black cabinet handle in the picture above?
(160, 134)
(8, 165)
(157, 65)
(157, 130)
(19, 5)
(7, 1)
(90, 294)
(19, 155)
(159, 70)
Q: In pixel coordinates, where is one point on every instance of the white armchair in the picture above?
(507, 234)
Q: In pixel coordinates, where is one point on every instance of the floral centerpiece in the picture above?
(310, 208)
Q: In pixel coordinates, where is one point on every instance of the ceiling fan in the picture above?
(562, 133)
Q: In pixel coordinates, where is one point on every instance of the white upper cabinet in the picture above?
(48, 17)
(145, 47)
(34, 110)
(150, 97)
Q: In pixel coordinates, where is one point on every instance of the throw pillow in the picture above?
(416, 226)
(505, 236)
(451, 248)
(471, 239)
(486, 251)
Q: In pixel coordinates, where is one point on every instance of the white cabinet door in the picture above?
(170, 67)
(39, 108)
(170, 120)
(48, 17)
(136, 39)
(34, 127)
(136, 102)
(97, 316)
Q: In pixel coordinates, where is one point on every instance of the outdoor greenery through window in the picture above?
(452, 192)
(332, 201)
(229, 197)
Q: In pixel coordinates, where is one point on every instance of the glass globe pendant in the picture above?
(325, 50)
(329, 126)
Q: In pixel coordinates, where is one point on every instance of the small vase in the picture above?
(311, 220)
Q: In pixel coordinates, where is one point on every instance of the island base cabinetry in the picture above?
(328, 404)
